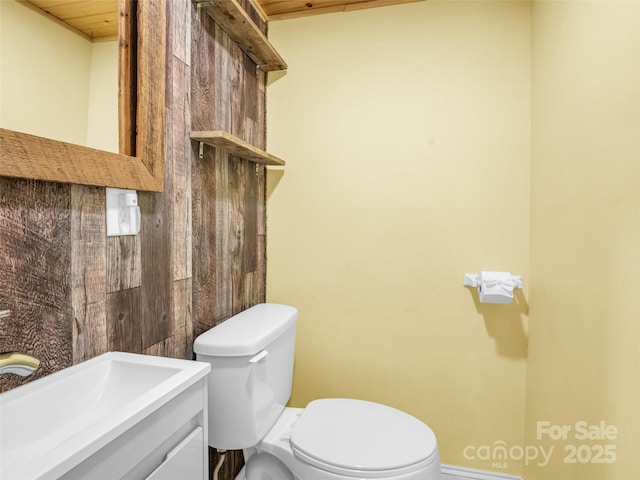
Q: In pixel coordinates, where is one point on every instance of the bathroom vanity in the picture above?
(119, 415)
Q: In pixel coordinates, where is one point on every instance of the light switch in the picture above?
(123, 212)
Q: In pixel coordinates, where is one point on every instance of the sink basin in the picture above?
(52, 424)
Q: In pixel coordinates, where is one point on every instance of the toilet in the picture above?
(251, 356)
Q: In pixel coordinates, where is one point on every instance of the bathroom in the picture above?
(423, 141)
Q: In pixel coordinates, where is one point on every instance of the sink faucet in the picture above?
(18, 363)
(14, 362)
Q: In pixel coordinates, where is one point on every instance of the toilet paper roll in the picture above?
(496, 287)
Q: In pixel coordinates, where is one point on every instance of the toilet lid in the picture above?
(363, 438)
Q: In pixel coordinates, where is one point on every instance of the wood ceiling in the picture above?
(280, 9)
(97, 20)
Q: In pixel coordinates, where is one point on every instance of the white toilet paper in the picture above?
(496, 287)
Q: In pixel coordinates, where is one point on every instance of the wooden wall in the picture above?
(200, 256)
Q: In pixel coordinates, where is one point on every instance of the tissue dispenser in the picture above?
(493, 287)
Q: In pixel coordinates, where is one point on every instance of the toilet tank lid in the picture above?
(248, 332)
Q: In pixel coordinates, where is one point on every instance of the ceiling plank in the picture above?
(283, 9)
(95, 20)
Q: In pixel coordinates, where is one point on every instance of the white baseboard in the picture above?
(449, 472)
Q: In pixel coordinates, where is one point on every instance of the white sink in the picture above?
(50, 425)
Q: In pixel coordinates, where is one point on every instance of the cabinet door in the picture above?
(185, 461)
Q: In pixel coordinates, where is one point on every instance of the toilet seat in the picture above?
(362, 439)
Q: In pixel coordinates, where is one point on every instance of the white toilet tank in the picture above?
(251, 357)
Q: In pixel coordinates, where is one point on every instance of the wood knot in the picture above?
(308, 5)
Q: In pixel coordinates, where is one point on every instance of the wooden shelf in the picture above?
(235, 146)
(234, 20)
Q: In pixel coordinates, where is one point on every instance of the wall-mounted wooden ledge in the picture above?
(235, 146)
(235, 21)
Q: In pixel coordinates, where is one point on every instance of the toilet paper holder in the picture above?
(471, 280)
(493, 287)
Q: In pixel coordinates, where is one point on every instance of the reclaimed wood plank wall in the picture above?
(229, 196)
(35, 274)
(201, 254)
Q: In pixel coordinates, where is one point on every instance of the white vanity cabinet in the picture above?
(184, 461)
(170, 443)
(117, 416)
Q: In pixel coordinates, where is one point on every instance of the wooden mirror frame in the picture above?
(141, 104)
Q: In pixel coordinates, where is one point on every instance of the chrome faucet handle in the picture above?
(18, 363)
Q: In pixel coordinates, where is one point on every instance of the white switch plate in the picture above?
(123, 212)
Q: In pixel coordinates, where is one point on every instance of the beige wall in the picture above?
(102, 111)
(584, 362)
(406, 132)
(54, 83)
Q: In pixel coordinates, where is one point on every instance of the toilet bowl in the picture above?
(251, 356)
(334, 439)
